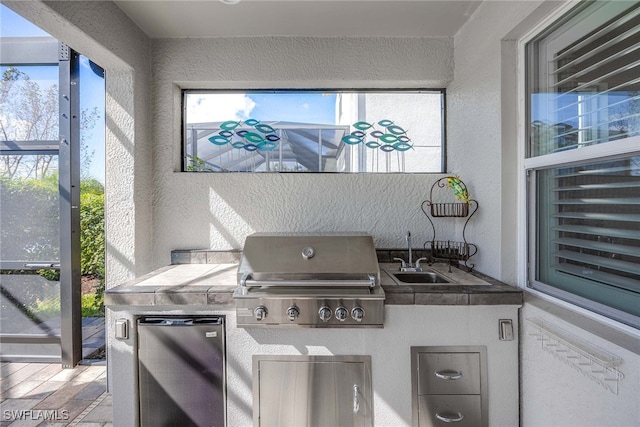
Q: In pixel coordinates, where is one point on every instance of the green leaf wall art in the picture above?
(384, 135)
(250, 135)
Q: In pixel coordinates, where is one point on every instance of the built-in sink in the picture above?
(418, 277)
(433, 277)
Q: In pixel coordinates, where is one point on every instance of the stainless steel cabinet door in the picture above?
(312, 391)
(182, 371)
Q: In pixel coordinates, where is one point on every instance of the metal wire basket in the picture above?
(450, 250)
(441, 210)
(464, 207)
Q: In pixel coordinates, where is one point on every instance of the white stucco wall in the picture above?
(476, 144)
(219, 210)
(557, 391)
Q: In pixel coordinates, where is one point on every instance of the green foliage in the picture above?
(24, 291)
(92, 306)
(51, 275)
(92, 233)
(92, 242)
(91, 186)
(30, 227)
(196, 164)
(30, 219)
(46, 308)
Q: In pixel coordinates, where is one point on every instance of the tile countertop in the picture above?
(180, 284)
(205, 283)
(467, 289)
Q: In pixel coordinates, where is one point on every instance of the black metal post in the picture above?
(69, 184)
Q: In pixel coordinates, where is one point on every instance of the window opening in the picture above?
(583, 155)
(313, 131)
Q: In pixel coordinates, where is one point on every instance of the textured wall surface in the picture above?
(475, 123)
(218, 210)
(557, 391)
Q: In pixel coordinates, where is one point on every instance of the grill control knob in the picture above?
(357, 313)
(293, 312)
(324, 313)
(342, 314)
(260, 312)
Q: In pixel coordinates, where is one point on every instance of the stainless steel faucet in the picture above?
(409, 266)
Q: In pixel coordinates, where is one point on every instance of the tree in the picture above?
(29, 112)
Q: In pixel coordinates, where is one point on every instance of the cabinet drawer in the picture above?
(448, 410)
(449, 373)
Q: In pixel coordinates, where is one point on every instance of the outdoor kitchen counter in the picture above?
(180, 284)
(212, 284)
(468, 289)
(463, 314)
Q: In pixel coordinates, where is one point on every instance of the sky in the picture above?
(92, 89)
(310, 107)
(296, 107)
(13, 25)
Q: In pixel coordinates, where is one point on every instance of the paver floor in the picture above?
(44, 394)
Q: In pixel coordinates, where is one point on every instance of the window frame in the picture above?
(443, 122)
(530, 165)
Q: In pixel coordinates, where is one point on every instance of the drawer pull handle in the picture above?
(450, 418)
(448, 375)
(356, 399)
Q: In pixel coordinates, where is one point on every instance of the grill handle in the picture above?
(246, 282)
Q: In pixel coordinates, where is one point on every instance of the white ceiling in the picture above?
(321, 18)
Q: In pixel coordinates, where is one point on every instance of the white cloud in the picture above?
(16, 129)
(203, 107)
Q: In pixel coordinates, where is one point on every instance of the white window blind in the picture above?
(589, 231)
(583, 158)
(586, 86)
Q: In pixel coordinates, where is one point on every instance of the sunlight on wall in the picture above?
(225, 223)
(120, 215)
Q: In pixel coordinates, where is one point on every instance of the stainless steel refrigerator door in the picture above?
(312, 391)
(181, 371)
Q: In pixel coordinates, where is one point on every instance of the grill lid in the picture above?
(308, 259)
(309, 280)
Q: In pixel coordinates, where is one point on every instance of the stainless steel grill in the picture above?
(309, 280)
